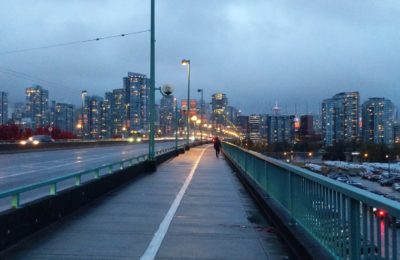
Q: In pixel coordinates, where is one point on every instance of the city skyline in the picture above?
(295, 53)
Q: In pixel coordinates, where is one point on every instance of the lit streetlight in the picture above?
(186, 62)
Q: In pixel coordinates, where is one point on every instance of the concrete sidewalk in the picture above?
(215, 219)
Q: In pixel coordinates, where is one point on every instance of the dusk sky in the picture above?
(255, 51)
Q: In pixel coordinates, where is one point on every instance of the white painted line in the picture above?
(158, 237)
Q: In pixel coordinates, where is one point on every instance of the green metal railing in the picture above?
(343, 219)
(52, 184)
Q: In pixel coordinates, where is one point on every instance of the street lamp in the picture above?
(200, 90)
(365, 157)
(185, 62)
(83, 94)
(388, 160)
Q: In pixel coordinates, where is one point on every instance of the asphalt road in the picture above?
(21, 169)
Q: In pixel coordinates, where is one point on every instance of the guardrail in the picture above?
(348, 222)
(15, 194)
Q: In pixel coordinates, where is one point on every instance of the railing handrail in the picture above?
(391, 206)
(61, 178)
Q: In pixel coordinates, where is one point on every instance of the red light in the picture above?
(381, 213)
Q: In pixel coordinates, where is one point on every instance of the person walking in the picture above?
(217, 146)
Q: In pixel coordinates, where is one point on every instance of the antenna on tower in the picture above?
(276, 108)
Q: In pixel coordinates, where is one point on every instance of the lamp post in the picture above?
(152, 87)
(201, 115)
(176, 125)
(83, 94)
(185, 62)
(388, 160)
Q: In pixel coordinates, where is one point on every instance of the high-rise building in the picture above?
(306, 125)
(118, 111)
(254, 128)
(263, 126)
(167, 115)
(37, 106)
(193, 110)
(219, 102)
(340, 118)
(3, 108)
(243, 124)
(52, 113)
(18, 113)
(137, 88)
(64, 117)
(93, 108)
(280, 128)
(106, 116)
(231, 114)
(377, 121)
(317, 123)
(396, 132)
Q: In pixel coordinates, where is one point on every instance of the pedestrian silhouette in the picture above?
(217, 146)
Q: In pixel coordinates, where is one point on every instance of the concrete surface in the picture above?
(215, 219)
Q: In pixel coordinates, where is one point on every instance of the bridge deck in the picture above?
(215, 219)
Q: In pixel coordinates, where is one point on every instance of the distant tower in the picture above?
(276, 108)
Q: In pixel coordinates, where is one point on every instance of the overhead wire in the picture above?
(72, 43)
(25, 76)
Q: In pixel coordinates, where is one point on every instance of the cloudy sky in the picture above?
(256, 51)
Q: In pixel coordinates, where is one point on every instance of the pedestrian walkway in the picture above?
(193, 207)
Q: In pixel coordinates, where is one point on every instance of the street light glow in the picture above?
(185, 62)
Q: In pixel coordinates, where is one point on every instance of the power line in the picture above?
(72, 43)
(28, 77)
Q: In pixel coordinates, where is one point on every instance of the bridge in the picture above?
(242, 205)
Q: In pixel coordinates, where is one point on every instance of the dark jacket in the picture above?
(217, 144)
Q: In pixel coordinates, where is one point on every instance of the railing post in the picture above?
(77, 180)
(292, 221)
(394, 239)
(15, 201)
(354, 238)
(110, 169)
(53, 189)
(96, 173)
(121, 166)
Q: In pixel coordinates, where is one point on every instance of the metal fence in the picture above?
(78, 178)
(349, 222)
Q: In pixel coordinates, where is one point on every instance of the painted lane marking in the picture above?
(158, 237)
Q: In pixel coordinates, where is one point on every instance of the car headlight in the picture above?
(23, 142)
(35, 142)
